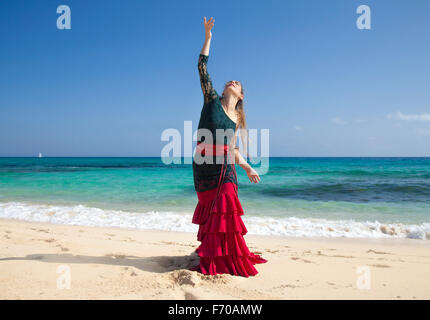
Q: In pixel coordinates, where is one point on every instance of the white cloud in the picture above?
(339, 121)
(409, 117)
(298, 128)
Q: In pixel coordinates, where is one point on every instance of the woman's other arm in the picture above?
(238, 158)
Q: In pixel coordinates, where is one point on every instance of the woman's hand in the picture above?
(253, 175)
(208, 26)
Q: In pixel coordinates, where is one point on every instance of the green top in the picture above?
(212, 117)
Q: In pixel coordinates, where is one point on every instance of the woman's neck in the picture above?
(229, 102)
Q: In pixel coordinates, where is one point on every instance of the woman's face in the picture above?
(234, 87)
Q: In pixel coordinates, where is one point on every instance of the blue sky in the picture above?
(127, 70)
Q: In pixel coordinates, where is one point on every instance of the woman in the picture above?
(221, 229)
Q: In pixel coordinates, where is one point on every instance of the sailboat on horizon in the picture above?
(40, 154)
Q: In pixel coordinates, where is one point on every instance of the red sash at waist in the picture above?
(211, 149)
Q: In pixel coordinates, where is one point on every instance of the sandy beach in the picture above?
(51, 261)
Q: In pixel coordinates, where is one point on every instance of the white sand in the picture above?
(111, 263)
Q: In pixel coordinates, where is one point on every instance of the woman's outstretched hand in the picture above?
(208, 26)
(253, 175)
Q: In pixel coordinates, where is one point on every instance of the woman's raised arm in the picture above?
(209, 92)
(208, 35)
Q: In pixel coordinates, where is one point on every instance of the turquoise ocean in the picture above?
(328, 197)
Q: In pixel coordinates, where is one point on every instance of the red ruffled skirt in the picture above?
(221, 230)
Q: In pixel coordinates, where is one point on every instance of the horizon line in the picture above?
(36, 157)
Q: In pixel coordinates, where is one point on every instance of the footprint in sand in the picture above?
(185, 277)
(300, 259)
(215, 279)
(177, 262)
(333, 256)
(380, 265)
(377, 252)
(62, 248)
(283, 286)
(341, 256)
(177, 243)
(40, 230)
(192, 278)
(168, 242)
(272, 251)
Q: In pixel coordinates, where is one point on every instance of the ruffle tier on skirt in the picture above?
(221, 230)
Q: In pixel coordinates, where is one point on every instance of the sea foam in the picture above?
(175, 221)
